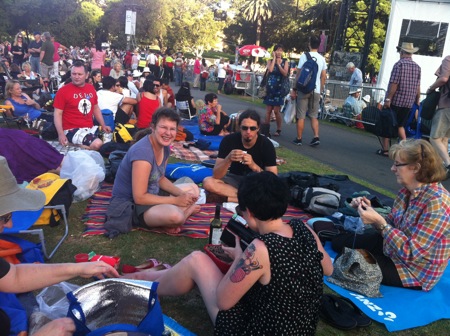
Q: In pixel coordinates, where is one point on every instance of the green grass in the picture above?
(188, 310)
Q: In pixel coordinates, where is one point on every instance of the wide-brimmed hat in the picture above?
(366, 98)
(146, 69)
(407, 47)
(354, 90)
(137, 73)
(13, 198)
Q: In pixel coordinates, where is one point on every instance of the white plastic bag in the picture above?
(290, 111)
(52, 300)
(86, 169)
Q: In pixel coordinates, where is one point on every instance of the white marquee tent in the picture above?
(424, 23)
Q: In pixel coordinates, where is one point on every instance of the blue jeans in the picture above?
(35, 64)
(178, 76)
(221, 80)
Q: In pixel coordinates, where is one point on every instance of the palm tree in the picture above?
(259, 11)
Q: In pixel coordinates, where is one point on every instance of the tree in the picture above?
(259, 11)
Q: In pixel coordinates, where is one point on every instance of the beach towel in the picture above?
(401, 308)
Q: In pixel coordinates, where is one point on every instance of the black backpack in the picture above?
(114, 160)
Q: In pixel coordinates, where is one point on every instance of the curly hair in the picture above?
(422, 153)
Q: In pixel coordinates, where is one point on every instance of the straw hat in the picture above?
(146, 69)
(354, 90)
(366, 98)
(13, 198)
(407, 47)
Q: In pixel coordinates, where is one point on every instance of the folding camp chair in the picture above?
(40, 232)
(183, 109)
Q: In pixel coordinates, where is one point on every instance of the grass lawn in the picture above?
(188, 310)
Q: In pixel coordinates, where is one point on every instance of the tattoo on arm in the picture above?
(245, 265)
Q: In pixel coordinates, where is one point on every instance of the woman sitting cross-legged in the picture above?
(211, 119)
(412, 244)
(273, 287)
(140, 182)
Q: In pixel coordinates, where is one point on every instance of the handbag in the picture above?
(104, 306)
(357, 271)
(262, 90)
(285, 86)
(205, 74)
(429, 105)
(237, 226)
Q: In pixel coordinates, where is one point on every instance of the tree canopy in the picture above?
(194, 26)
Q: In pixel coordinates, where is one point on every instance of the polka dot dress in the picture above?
(289, 304)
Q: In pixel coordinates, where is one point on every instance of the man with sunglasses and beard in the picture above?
(241, 153)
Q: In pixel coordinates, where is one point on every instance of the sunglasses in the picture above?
(156, 85)
(251, 128)
(5, 218)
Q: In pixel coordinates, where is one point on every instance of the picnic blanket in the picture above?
(175, 328)
(192, 126)
(189, 154)
(401, 308)
(197, 225)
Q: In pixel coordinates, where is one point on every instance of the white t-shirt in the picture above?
(221, 72)
(109, 100)
(320, 62)
(151, 59)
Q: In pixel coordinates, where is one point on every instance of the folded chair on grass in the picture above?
(183, 109)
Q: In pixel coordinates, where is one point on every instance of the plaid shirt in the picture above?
(418, 240)
(405, 73)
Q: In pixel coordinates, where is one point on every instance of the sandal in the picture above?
(277, 133)
(382, 152)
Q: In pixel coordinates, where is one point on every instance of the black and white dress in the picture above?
(289, 304)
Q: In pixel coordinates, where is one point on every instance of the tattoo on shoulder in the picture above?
(246, 264)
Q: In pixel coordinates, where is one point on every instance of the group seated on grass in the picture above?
(411, 245)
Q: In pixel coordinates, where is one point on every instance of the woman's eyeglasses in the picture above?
(396, 164)
(251, 128)
(5, 218)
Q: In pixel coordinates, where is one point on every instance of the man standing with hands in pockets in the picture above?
(242, 153)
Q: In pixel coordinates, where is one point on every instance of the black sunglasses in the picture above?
(6, 218)
(251, 128)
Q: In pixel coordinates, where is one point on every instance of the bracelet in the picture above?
(387, 100)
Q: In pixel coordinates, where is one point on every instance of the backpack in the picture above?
(306, 82)
(111, 168)
(386, 125)
(228, 88)
(183, 134)
(321, 201)
(124, 133)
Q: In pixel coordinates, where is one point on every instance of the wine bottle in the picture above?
(215, 227)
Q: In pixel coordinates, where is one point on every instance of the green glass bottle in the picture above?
(215, 227)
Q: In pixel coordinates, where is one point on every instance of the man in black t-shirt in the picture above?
(241, 153)
(35, 53)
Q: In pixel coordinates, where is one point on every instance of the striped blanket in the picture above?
(197, 225)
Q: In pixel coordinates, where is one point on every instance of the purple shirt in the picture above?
(405, 73)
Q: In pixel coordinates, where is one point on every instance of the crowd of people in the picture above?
(258, 295)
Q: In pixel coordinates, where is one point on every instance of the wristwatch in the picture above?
(382, 227)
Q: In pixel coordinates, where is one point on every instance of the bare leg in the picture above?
(401, 133)
(278, 117)
(268, 113)
(441, 146)
(300, 127)
(195, 269)
(219, 187)
(315, 127)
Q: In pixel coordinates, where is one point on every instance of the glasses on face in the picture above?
(5, 218)
(251, 128)
(156, 85)
(396, 164)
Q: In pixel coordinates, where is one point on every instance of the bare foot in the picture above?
(193, 209)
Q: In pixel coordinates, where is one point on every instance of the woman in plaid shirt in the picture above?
(412, 244)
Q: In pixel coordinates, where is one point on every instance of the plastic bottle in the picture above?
(215, 228)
